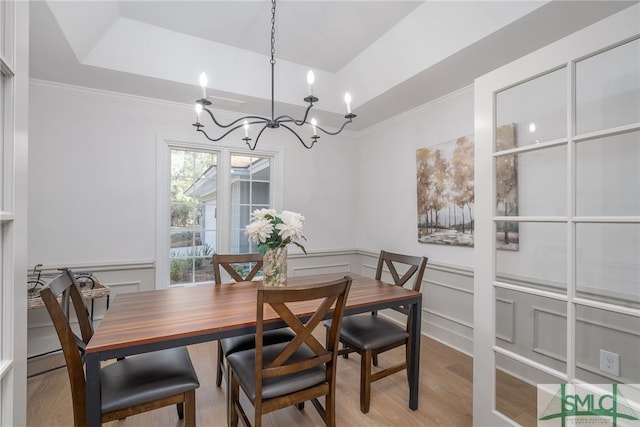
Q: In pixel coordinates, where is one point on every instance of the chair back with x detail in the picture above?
(281, 375)
(370, 334)
(234, 264)
(241, 267)
(414, 268)
(129, 386)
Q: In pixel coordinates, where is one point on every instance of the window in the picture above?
(205, 199)
(193, 215)
(250, 184)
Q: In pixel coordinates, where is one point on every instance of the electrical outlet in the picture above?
(610, 362)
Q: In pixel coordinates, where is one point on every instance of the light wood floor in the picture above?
(445, 394)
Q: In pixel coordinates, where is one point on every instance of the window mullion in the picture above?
(224, 208)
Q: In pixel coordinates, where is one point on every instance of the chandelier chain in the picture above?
(273, 31)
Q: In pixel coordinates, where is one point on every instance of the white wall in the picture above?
(387, 194)
(92, 189)
(92, 180)
(387, 210)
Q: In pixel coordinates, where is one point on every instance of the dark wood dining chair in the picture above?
(241, 267)
(129, 386)
(290, 373)
(370, 334)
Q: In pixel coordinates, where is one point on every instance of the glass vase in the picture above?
(274, 268)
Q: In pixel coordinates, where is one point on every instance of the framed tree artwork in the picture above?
(445, 185)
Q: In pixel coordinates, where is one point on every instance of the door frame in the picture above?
(611, 31)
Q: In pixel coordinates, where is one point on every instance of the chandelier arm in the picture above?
(287, 119)
(259, 119)
(257, 138)
(308, 147)
(349, 120)
(199, 128)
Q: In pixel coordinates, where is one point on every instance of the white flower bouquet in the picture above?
(270, 230)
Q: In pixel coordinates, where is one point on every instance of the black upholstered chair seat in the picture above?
(246, 342)
(371, 335)
(145, 378)
(243, 364)
(370, 332)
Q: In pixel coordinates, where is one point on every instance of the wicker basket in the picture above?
(97, 291)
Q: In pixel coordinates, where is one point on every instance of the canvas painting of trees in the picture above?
(507, 235)
(445, 184)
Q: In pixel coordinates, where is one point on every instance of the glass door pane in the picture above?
(608, 89)
(532, 326)
(250, 190)
(608, 263)
(608, 176)
(618, 335)
(540, 261)
(537, 108)
(530, 251)
(517, 391)
(193, 216)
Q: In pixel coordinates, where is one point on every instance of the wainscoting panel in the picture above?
(448, 305)
(531, 326)
(122, 277)
(447, 293)
(618, 333)
(505, 319)
(544, 343)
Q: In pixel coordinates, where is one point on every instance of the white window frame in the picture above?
(163, 163)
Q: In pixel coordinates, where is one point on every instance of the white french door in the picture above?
(557, 273)
(14, 76)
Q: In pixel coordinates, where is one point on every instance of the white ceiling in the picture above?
(391, 55)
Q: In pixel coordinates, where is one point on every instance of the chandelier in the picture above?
(273, 122)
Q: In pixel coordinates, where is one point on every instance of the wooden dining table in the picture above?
(147, 321)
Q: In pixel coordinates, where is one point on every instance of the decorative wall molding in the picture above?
(447, 324)
(107, 94)
(346, 267)
(123, 265)
(449, 318)
(450, 268)
(537, 330)
(413, 113)
(321, 253)
(633, 333)
(508, 336)
(449, 286)
(453, 339)
(595, 370)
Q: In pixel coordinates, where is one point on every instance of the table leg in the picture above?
(414, 375)
(94, 411)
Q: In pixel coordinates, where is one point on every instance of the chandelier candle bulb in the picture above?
(198, 112)
(347, 99)
(246, 129)
(203, 85)
(310, 79)
(313, 125)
